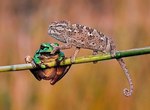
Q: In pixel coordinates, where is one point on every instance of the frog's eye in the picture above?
(42, 47)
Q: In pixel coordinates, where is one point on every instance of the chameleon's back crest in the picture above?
(57, 30)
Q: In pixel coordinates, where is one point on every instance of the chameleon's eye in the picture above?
(93, 44)
(51, 26)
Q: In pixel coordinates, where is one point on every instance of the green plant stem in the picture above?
(79, 60)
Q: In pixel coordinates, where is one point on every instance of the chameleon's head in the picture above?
(58, 30)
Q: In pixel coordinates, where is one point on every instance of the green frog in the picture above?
(43, 55)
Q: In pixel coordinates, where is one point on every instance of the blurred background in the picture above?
(23, 27)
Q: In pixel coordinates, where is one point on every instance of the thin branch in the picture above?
(78, 60)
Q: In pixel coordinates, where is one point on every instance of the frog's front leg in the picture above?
(36, 72)
(39, 62)
(29, 59)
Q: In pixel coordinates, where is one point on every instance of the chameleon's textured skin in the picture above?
(44, 55)
(88, 38)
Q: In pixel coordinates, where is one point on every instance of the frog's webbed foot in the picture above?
(59, 59)
(36, 72)
(29, 59)
(66, 69)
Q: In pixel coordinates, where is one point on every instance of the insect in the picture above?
(44, 55)
(85, 37)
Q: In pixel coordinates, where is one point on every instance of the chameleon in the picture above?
(44, 55)
(85, 37)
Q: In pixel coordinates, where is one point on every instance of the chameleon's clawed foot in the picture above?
(95, 53)
(75, 54)
(113, 53)
(72, 59)
(55, 50)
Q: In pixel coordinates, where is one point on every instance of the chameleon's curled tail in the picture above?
(127, 92)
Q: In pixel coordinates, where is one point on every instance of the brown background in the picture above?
(23, 27)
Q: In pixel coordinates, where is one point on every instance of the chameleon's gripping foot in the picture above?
(95, 53)
(72, 59)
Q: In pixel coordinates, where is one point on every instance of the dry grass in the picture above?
(23, 26)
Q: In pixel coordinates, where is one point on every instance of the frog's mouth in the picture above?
(48, 54)
(48, 57)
